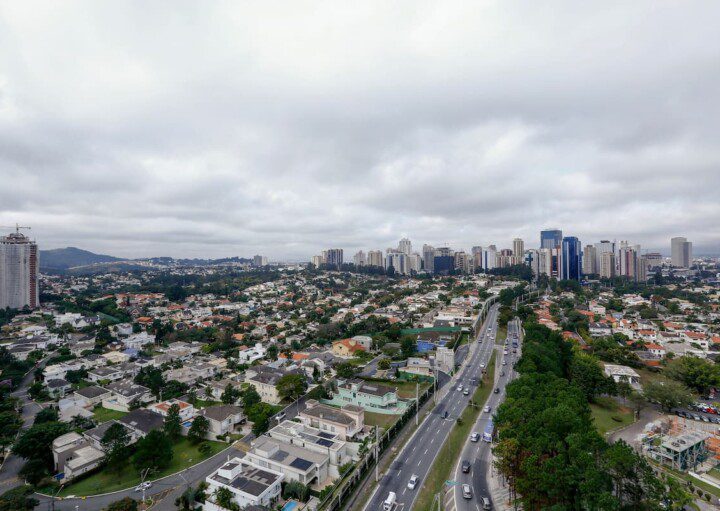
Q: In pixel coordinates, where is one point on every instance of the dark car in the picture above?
(466, 466)
(496, 391)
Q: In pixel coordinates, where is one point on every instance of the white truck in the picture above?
(389, 503)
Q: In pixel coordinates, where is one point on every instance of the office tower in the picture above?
(413, 263)
(396, 260)
(532, 259)
(444, 261)
(628, 261)
(589, 260)
(654, 259)
(334, 257)
(643, 266)
(681, 252)
(259, 261)
(489, 258)
(601, 248)
(359, 259)
(476, 257)
(428, 255)
(607, 265)
(405, 246)
(550, 238)
(545, 262)
(19, 267)
(317, 261)
(570, 259)
(462, 262)
(518, 249)
(375, 258)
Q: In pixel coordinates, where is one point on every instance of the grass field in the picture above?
(501, 334)
(406, 389)
(382, 420)
(447, 457)
(101, 414)
(608, 415)
(204, 403)
(184, 455)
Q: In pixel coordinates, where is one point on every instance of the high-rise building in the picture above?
(518, 249)
(601, 248)
(428, 255)
(413, 263)
(532, 259)
(627, 261)
(607, 265)
(317, 261)
(462, 262)
(550, 238)
(359, 259)
(334, 257)
(489, 258)
(19, 269)
(681, 252)
(375, 258)
(654, 259)
(643, 265)
(259, 261)
(396, 260)
(589, 260)
(444, 261)
(545, 263)
(570, 259)
(405, 246)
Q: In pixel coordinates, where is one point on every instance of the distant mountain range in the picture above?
(70, 257)
(77, 260)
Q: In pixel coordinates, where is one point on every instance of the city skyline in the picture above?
(231, 130)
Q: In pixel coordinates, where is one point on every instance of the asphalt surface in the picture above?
(419, 453)
(479, 453)
(12, 465)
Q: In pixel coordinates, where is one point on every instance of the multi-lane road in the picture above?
(419, 453)
(478, 453)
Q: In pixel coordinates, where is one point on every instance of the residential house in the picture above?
(142, 421)
(296, 463)
(250, 485)
(186, 410)
(74, 455)
(345, 422)
(347, 348)
(111, 373)
(126, 394)
(222, 419)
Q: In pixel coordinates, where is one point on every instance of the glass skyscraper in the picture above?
(571, 259)
(550, 238)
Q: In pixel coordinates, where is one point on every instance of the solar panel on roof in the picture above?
(301, 464)
(325, 435)
(324, 443)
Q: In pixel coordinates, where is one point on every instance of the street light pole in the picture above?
(377, 454)
(142, 482)
(417, 402)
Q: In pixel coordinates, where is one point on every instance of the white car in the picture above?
(475, 437)
(486, 409)
(466, 392)
(412, 483)
(143, 486)
(504, 362)
(459, 388)
(482, 366)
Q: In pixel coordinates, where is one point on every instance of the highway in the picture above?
(479, 453)
(419, 453)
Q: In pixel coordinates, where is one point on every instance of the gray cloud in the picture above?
(214, 128)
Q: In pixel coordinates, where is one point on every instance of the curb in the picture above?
(86, 497)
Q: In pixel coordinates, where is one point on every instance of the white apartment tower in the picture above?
(428, 255)
(19, 269)
(681, 252)
(518, 250)
(589, 260)
(607, 265)
(375, 258)
(359, 259)
(405, 246)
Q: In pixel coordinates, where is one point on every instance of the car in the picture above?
(467, 491)
(412, 483)
(505, 352)
(496, 391)
(466, 392)
(466, 466)
(514, 351)
(705, 418)
(143, 486)
(696, 417)
(459, 388)
(486, 409)
(504, 362)
(486, 503)
(475, 437)
(482, 366)
(502, 373)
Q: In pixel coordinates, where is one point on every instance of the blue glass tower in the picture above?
(571, 259)
(550, 238)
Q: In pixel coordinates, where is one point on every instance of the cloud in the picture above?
(216, 128)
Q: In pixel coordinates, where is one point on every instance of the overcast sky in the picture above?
(208, 129)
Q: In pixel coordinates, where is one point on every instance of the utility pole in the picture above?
(377, 454)
(56, 494)
(417, 403)
(142, 482)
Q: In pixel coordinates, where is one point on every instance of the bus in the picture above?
(488, 433)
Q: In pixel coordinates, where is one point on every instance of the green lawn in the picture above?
(501, 334)
(101, 414)
(184, 455)
(202, 403)
(447, 458)
(406, 389)
(608, 415)
(382, 420)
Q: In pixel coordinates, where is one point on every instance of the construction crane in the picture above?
(17, 227)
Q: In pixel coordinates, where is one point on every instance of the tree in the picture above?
(173, 423)
(224, 498)
(34, 471)
(154, 451)
(18, 499)
(124, 504)
(115, 443)
(291, 386)
(198, 430)
(697, 373)
(384, 363)
(346, 370)
(36, 442)
(152, 378)
(296, 490)
(230, 395)
(49, 414)
(407, 346)
(192, 397)
(272, 352)
(585, 372)
(250, 397)
(668, 394)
